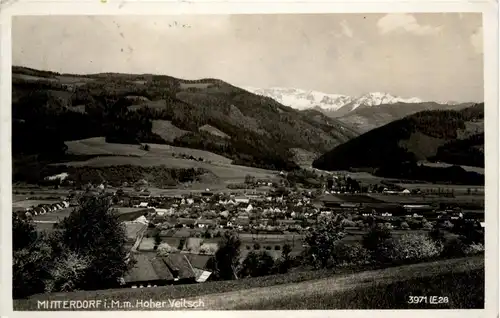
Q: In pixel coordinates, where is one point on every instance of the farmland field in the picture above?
(428, 199)
(457, 189)
(123, 154)
(446, 165)
(226, 172)
(166, 130)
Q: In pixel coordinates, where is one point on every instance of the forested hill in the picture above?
(455, 137)
(49, 108)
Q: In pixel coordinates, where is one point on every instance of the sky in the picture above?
(433, 56)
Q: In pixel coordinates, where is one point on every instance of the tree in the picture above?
(257, 264)
(437, 235)
(23, 232)
(320, 240)
(93, 231)
(31, 258)
(249, 179)
(378, 242)
(157, 238)
(227, 256)
(285, 262)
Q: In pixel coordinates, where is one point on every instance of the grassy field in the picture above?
(457, 189)
(31, 203)
(380, 289)
(170, 156)
(166, 130)
(446, 165)
(462, 291)
(279, 290)
(427, 199)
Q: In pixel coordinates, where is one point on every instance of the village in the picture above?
(173, 238)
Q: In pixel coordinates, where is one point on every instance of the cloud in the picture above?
(346, 30)
(476, 39)
(393, 22)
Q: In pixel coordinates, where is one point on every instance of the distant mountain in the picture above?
(358, 112)
(334, 105)
(367, 118)
(393, 150)
(49, 108)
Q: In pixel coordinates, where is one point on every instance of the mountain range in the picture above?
(363, 113)
(302, 99)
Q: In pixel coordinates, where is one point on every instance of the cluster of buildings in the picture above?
(45, 208)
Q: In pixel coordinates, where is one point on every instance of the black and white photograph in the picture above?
(284, 161)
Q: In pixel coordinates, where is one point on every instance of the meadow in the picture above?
(110, 154)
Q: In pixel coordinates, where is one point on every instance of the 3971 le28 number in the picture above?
(433, 300)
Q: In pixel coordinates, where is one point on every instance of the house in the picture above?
(202, 223)
(149, 269)
(239, 200)
(143, 205)
(180, 267)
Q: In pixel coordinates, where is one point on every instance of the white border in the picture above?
(157, 7)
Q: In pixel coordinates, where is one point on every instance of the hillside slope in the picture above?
(49, 108)
(455, 137)
(278, 291)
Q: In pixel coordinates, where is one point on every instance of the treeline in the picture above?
(467, 152)
(159, 176)
(325, 248)
(411, 170)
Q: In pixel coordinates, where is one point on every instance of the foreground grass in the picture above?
(463, 291)
(304, 282)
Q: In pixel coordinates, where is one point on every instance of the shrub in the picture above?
(427, 226)
(347, 223)
(277, 247)
(457, 247)
(256, 246)
(350, 254)
(268, 247)
(165, 249)
(67, 271)
(474, 248)
(404, 226)
(414, 247)
(454, 248)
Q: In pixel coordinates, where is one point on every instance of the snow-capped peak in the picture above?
(302, 99)
(306, 99)
(378, 98)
